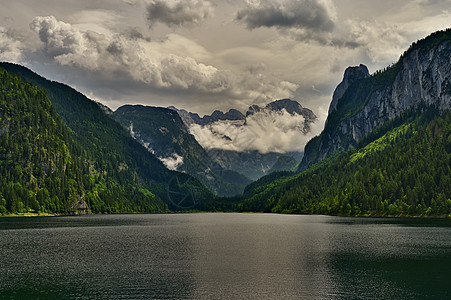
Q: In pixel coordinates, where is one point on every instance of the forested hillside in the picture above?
(36, 169)
(117, 173)
(406, 171)
(385, 148)
(43, 169)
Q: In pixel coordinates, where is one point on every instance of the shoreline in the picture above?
(32, 214)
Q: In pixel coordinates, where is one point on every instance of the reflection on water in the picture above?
(211, 256)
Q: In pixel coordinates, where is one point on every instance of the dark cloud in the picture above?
(305, 14)
(178, 13)
(135, 33)
(434, 2)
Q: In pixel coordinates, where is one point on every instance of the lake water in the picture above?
(224, 256)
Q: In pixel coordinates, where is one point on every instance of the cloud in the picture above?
(305, 14)
(172, 162)
(11, 49)
(265, 131)
(153, 63)
(305, 20)
(177, 13)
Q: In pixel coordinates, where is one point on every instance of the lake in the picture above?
(224, 256)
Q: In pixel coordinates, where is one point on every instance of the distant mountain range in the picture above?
(164, 134)
(240, 142)
(290, 106)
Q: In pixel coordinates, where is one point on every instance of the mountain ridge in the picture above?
(125, 168)
(421, 76)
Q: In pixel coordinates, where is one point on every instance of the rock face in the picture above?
(352, 74)
(291, 106)
(422, 77)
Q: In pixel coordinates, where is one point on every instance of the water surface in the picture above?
(224, 256)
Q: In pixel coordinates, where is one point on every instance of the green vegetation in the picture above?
(60, 152)
(406, 171)
(36, 169)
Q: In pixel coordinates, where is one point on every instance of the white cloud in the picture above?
(265, 131)
(172, 162)
(11, 50)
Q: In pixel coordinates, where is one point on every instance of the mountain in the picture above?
(352, 74)
(120, 174)
(250, 144)
(385, 150)
(190, 118)
(251, 163)
(406, 171)
(421, 78)
(163, 133)
(284, 163)
(38, 170)
(291, 106)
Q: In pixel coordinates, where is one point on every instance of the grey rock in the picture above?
(351, 75)
(422, 77)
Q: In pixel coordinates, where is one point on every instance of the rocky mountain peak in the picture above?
(351, 75)
(291, 106)
(253, 109)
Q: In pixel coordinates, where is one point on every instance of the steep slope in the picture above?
(35, 161)
(163, 133)
(284, 163)
(406, 171)
(352, 74)
(422, 77)
(252, 164)
(122, 161)
(44, 170)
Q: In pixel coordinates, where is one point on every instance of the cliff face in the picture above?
(422, 76)
(352, 74)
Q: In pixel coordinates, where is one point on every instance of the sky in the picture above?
(202, 55)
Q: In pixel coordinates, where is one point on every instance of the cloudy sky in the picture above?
(203, 55)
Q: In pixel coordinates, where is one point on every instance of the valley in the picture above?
(385, 148)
